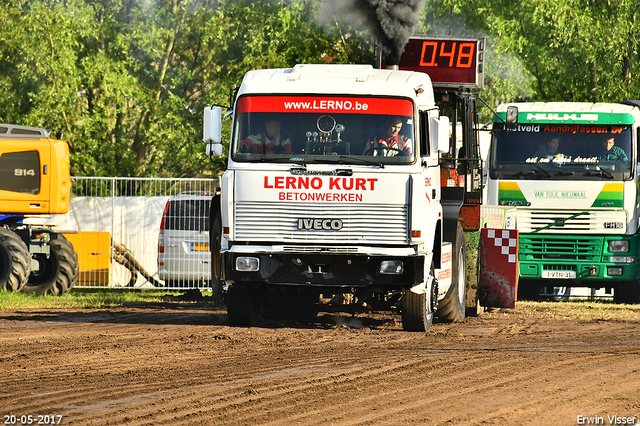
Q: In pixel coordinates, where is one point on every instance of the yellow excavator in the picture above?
(35, 182)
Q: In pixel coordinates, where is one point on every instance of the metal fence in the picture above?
(114, 226)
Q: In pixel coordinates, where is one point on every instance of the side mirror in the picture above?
(212, 131)
(439, 134)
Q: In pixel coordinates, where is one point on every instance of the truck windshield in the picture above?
(324, 129)
(569, 152)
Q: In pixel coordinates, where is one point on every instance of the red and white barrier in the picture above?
(498, 282)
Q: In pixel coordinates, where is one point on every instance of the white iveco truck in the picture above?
(332, 197)
(572, 171)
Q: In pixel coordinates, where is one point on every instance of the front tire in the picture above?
(555, 294)
(15, 261)
(290, 304)
(627, 293)
(417, 309)
(528, 291)
(215, 231)
(58, 273)
(243, 306)
(453, 307)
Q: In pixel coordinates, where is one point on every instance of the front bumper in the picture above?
(580, 258)
(580, 272)
(331, 270)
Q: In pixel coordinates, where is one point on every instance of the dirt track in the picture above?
(180, 363)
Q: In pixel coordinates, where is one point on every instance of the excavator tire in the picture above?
(15, 262)
(58, 273)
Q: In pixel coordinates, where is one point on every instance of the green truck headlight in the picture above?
(618, 246)
(615, 271)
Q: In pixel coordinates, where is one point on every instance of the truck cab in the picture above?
(332, 197)
(570, 170)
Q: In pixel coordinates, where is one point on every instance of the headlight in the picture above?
(615, 271)
(247, 264)
(393, 267)
(618, 246)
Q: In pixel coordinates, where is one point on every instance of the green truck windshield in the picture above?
(562, 151)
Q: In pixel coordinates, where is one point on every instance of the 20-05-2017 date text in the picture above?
(32, 419)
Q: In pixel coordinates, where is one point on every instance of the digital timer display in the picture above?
(450, 62)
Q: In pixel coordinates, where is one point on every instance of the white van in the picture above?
(184, 257)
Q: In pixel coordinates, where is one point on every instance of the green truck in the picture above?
(571, 172)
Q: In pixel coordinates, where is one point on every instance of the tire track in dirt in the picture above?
(544, 372)
(181, 369)
(263, 401)
(261, 396)
(268, 385)
(400, 400)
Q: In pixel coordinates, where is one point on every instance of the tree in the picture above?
(576, 50)
(505, 79)
(126, 81)
(40, 47)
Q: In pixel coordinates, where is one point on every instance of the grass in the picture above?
(85, 298)
(581, 310)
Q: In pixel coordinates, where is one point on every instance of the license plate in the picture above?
(558, 274)
(199, 246)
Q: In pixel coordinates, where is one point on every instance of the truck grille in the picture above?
(554, 267)
(592, 221)
(372, 224)
(558, 248)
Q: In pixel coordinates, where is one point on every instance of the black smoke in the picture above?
(391, 22)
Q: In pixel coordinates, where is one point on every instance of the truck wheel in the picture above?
(453, 306)
(528, 291)
(58, 273)
(628, 293)
(243, 306)
(417, 309)
(15, 262)
(216, 258)
(289, 304)
(555, 294)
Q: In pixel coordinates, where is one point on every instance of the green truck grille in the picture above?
(552, 267)
(559, 248)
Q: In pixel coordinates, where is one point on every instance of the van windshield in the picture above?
(324, 129)
(569, 152)
(187, 215)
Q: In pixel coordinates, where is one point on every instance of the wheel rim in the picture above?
(216, 258)
(555, 293)
(46, 270)
(462, 273)
(4, 260)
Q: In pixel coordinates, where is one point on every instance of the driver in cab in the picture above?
(391, 142)
(269, 141)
